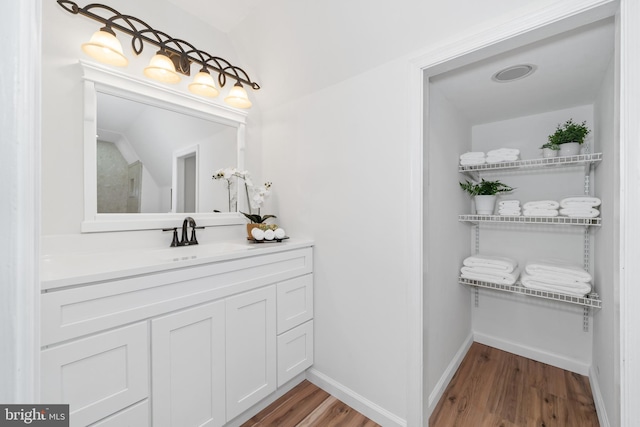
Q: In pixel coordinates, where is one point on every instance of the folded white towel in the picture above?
(472, 155)
(471, 162)
(509, 212)
(578, 289)
(502, 158)
(493, 262)
(580, 212)
(492, 276)
(540, 212)
(558, 268)
(543, 204)
(504, 152)
(509, 203)
(570, 202)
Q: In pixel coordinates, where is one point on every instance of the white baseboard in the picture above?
(597, 399)
(445, 379)
(534, 354)
(356, 401)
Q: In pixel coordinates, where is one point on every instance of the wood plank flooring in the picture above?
(499, 389)
(305, 406)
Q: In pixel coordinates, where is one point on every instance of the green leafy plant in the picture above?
(569, 132)
(256, 218)
(485, 188)
(551, 146)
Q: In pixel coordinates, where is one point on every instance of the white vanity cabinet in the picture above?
(195, 345)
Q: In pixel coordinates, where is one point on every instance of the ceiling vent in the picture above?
(515, 72)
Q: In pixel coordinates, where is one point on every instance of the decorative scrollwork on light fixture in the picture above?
(174, 56)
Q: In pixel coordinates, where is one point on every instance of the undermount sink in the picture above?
(198, 251)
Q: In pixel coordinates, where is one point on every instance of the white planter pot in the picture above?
(485, 205)
(548, 152)
(569, 149)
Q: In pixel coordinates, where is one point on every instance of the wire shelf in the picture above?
(558, 220)
(582, 159)
(592, 300)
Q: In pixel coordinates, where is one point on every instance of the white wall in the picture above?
(606, 341)
(448, 318)
(62, 111)
(546, 331)
(340, 178)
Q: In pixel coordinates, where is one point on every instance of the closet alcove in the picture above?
(574, 77)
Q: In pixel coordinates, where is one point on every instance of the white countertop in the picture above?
(59, 271)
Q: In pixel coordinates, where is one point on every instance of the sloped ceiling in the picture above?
(297, 47)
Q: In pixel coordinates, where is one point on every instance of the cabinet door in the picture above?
(295, 352)
(295, 302)
(251, 348)
(98, 375)
(188, 362)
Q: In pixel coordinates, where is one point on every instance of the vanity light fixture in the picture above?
(175, 56)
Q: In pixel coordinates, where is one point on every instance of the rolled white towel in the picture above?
(472, 155)
(579, 201)
(471, 162)
(490, 275)
(540, 212)
(558, 268)
(504, 152)
(509, 203)
(578, 289)
(493, 262)
(502, 158)
(543, 204)
(580, 212)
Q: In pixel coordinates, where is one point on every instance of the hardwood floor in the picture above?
(499, 389)
(305, 406)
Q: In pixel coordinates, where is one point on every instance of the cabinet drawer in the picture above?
(115, 364)
(295, 302)
(135, 416)
(295, 352)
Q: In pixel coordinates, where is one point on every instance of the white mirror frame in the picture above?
(98, 78)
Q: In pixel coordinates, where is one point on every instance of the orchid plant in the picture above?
(256, 195)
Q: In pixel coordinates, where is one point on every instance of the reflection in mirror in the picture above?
(155, 160)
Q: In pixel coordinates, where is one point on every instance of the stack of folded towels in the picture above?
(580, 207)
(490, 269)
(509, 207)
(472, 158)
(503, 155)
(541, 208)
(557, 276)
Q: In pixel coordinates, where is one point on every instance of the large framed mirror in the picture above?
(150, 153)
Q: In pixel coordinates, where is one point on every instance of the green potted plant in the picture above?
(484, 194)
(550, 149)
(569, 136)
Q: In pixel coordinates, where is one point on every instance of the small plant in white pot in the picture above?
(484, 194)
(550, 150)
(569, 137)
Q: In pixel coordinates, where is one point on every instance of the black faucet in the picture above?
(184, 241)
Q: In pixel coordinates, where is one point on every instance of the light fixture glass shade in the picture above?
(161, 68)
(106, 48)
(238, 97)
(204, 85)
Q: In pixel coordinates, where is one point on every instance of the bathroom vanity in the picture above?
(185, 336)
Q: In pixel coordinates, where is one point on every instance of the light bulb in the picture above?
(204, 85)
(106, 48)
(161, 68)
(238, 97)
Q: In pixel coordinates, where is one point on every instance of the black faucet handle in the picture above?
(194, 240)
(174, 242)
